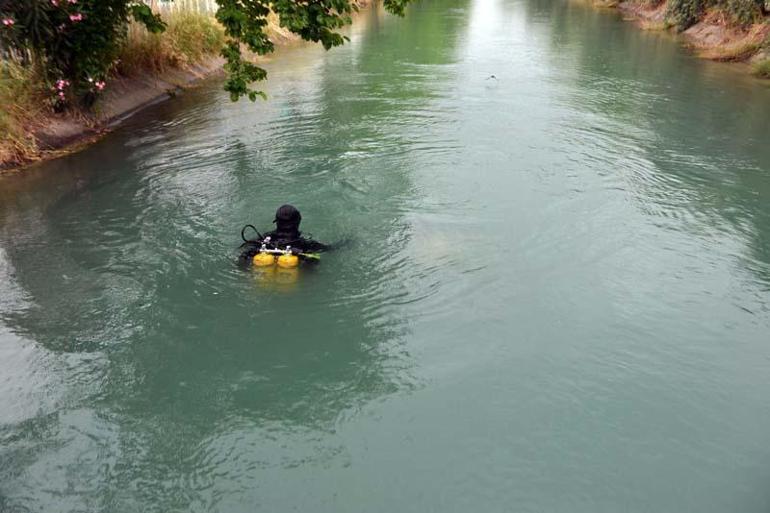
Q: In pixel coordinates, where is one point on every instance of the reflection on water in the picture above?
(556, 295)
(713, 151)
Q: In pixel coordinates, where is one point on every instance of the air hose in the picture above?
(243, 233)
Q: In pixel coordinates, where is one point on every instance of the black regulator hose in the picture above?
(243, 233)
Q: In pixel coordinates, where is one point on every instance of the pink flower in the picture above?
(76, 17)
(72, 1)
(100, 85)
(8, 22)
(55, 3)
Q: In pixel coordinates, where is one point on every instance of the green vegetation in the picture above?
(73, 42)
(762, 69)
(682, 14)
(742, 12)
(245, 23)
(27, 94)
(76, 43)
(60, 54)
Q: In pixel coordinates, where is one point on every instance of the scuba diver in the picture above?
(285, 239)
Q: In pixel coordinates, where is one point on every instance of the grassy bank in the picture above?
(720, 30)
(189, 38)
(26, 100)
(21, 94)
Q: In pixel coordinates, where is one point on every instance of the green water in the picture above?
(556, 297)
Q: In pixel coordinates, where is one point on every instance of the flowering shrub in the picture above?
(76, 42)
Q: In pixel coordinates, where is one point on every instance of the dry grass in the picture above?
(606, 4)
(732, 53)
(189, 38)
(719, 38)
(21, 97)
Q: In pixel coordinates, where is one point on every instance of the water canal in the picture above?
(556, 297)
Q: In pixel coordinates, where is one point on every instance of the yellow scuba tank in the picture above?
(263, 259)
(288, 261)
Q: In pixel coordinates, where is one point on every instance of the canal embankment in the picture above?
(727, 31)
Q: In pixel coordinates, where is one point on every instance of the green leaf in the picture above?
(144, 15)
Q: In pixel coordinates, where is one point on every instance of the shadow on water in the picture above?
(199, 376)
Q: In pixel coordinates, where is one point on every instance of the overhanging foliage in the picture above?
(76, 42)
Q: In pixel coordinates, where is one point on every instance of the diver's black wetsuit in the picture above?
(286, 234)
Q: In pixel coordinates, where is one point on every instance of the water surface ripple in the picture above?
(554, 295)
